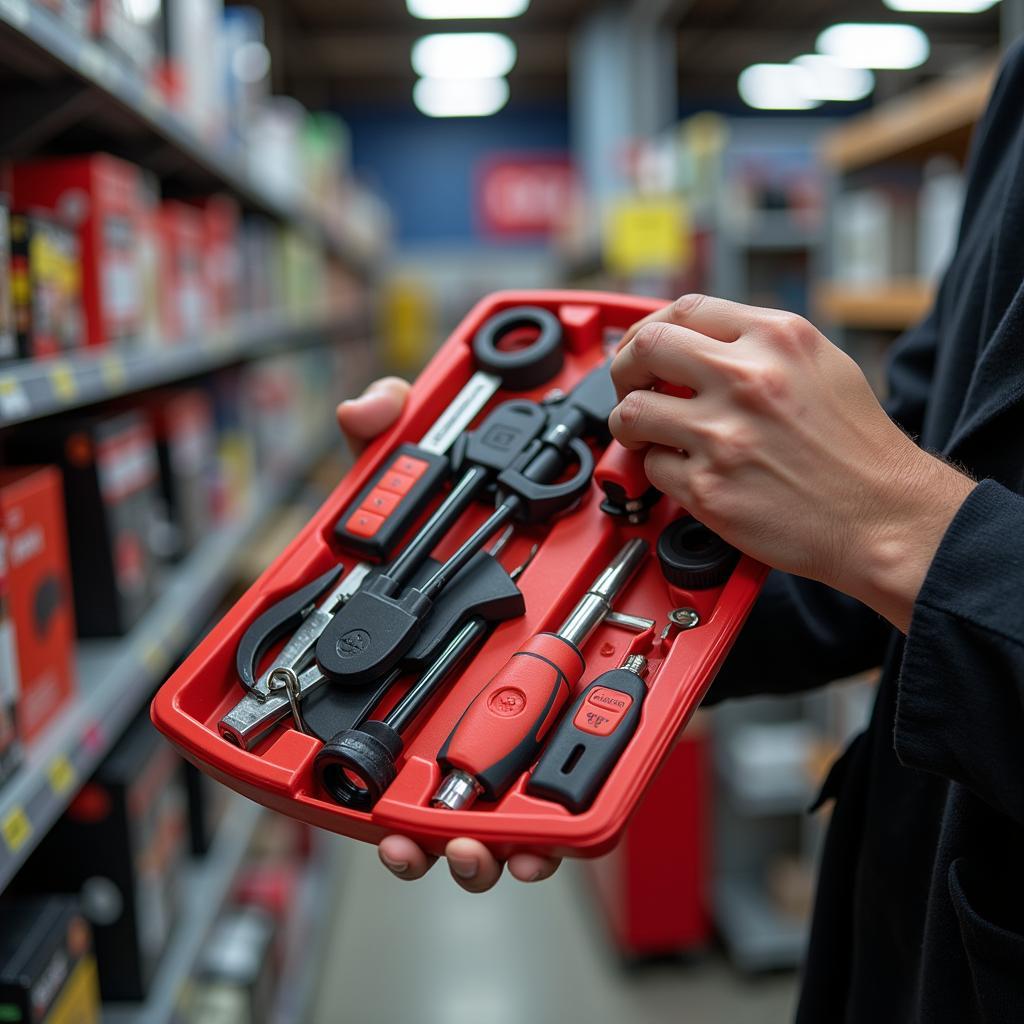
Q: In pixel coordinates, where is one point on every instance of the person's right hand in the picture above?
(472, 865)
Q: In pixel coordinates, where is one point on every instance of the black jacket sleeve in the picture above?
(960, 709)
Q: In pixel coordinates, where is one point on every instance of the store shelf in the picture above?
(774, 231)
(32, 389)
(308, 931)
(205, 886)
(758, 937)
(116, 677)
(45, 48)
(937, 118)
(894, 306)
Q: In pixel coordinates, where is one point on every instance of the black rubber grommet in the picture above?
(693, 557)
(368, 755)
(523, 368)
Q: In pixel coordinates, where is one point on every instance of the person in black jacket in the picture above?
(897, 536)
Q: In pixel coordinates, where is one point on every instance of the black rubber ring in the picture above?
(524, 368)
(694, 558)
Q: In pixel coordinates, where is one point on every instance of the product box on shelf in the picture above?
(8, 337)
(186, 445)
(39, 594)
(193, 56)
(221, 264)
(150, 283)
(236, 974)
(183, 300)
(100, 197)
(132, 30)
(235, 466)
(127, 828)
(46, 294)
(111, 477)
(9, 748)
(47, 965)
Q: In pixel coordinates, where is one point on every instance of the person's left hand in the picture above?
(783, 450)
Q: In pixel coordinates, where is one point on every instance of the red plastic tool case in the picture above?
(573, 549)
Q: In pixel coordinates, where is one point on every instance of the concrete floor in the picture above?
(429, 953)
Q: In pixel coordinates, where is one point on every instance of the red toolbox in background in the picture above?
(32, 507)
(652, 889)
(100, 197)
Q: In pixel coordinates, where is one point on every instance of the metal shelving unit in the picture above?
(116, 677)
(32, 389)
(205, 885)
(77, 80)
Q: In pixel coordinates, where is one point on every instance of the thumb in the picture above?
(374, 411)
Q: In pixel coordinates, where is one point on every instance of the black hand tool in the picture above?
(375, 628)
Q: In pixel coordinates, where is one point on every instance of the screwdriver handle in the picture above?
(500, 734)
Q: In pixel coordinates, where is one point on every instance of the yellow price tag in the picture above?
(114, 375)
(62, 775)
(16, 829)
(154, 658)
(62, 378)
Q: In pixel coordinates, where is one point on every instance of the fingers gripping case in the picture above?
(562, 555)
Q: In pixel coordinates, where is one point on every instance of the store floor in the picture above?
(429, 953)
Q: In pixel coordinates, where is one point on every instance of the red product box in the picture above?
(32, 510)
(9, 750)
(182, 300)
(186, 446)
(221, 262)
(101, 197)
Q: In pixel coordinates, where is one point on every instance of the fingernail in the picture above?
(398, 866)
(466, 869)
(535, 877)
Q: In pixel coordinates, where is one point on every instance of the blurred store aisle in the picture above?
(428, 953)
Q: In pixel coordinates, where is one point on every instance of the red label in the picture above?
(529, 195)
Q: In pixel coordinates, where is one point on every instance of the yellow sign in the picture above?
(62, 775)
(647, 235)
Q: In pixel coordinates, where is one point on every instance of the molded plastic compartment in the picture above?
(573, 549)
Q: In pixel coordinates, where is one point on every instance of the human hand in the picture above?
(471, 864)
(783, 449)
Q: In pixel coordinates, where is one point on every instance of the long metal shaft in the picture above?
(597, 602)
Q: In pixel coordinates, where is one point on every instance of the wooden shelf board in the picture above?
(895, 305)
(938, 117)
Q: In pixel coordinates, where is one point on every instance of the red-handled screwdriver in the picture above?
(500, 734)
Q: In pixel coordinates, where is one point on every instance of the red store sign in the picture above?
(527, 195)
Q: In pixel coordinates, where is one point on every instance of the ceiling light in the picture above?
(941, 6)
(466, 9)
(463, 55)
(875, 46)
(460, 97)
(776, 87)
(827, 79)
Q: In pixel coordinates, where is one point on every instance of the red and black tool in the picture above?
(591, 737)
(501, 732)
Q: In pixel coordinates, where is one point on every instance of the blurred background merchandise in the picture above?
(219, 220)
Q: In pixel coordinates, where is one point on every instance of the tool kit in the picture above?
(493, 628)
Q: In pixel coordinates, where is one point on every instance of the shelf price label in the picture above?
(61, 774)
(114, 374)
(16, 829)
(62, 378)
(14, 402)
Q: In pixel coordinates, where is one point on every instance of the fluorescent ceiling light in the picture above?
(776, 87)
(463, 55)
(875, 46)
(941, 6)
(466, 9)
(460, 97)
(827, 79)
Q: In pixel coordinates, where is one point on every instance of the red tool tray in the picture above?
(278, 772)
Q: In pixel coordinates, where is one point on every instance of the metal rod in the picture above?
(439, 523)
(436, 675)
(596, 603)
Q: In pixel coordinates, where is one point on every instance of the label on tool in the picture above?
(476, 393)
